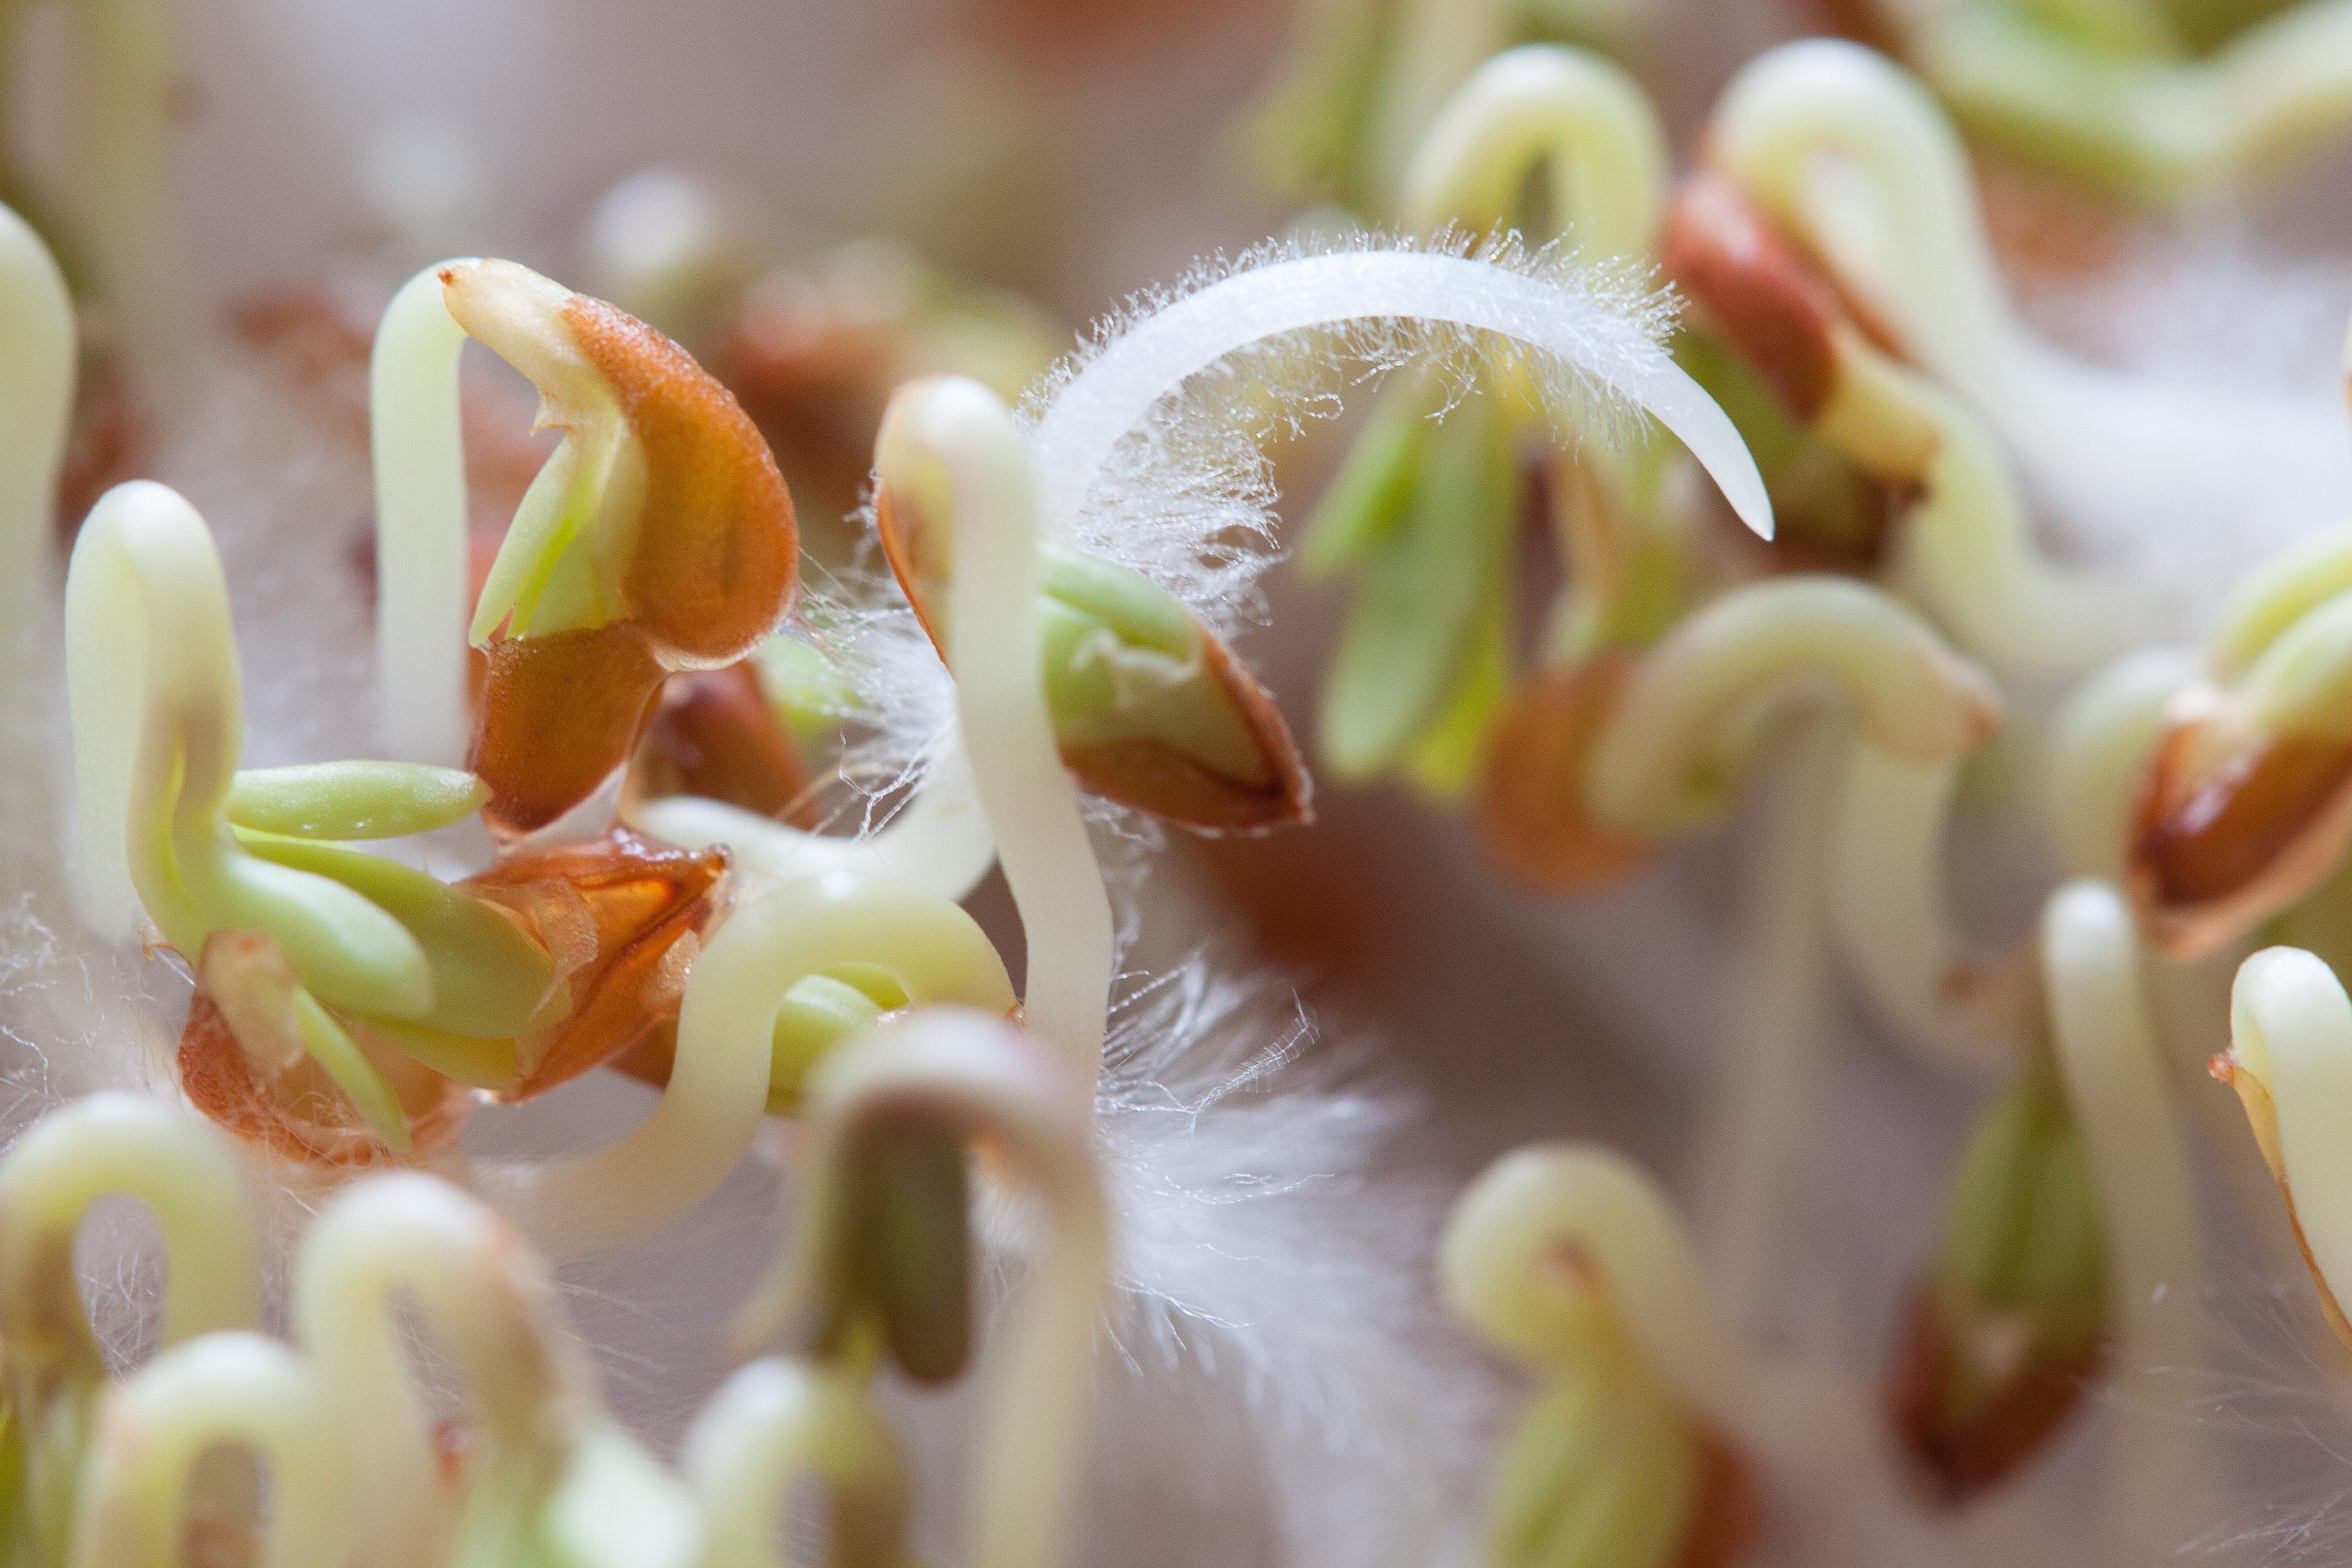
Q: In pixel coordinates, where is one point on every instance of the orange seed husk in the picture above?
(559, 713)
(1531, 798)
(714, 733)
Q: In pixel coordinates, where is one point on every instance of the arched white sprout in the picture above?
(2290, 1060)
(1540, 1215)
(240, 1388)
(1568, 332)
(1575, 114)
(2098, 751)
(2114, 1077)
(546, 1469)
(1852, 156)
(36, 344)
(158, 727)
(940, 838)
(772, 1426)
(128, 1145)
(718, 1089)
(1695, 710)
(416, 1237)
(418, 447)
(107, 1145)
(951, 448)
(975, 1075)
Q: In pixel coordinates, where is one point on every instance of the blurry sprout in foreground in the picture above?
(37, 343)
(1567, 1259)
(2163, 105)
(55, 1370)
(2071, 1235)
(881, 1265)
(1607, 1468)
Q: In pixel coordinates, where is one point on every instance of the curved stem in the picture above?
(718, 1089)
(1768, 1068)
(1555, 1205)
(1674, 741)
(36, 344)
(129, 1145)
(223, 1388)
(1890, 908)
(2114, 1077)
(416, 435)
(939, 838)
(774, 1425)
(1115, 392)
(952, 447)
(2290, 1060)
(1575, 113)
(2098, 750)
(980, 1075)
(158, 725)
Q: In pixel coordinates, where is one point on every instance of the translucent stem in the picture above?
(1538, 1208)
(1890, 909)
(939, 838)
(1674, 742)
(412, 1237)
(238, 1388)
(1769, 1063)
(2098, 750)
(128, 1145)
(1115, 393)
(954, 443)
(2115, 1079)
(773, 1427)
(36, 345)
(1574, 114)
(416, 435)
(718, 1089)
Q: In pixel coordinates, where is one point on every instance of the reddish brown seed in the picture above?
(300, 1113)
(1532, 797)
(2212, 856)
(918, 560)
(714, 733)
(1956, 1456)
(1154, 777)
(558, 714)
(1757, 287)
(717, 551)
(623, 916)
(1722, 1526)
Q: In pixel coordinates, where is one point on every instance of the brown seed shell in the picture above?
(1531, 799)
(558, 714)
(717, 551)
(1757, 287)
(714, 734)
(2212, 856)
(1955, 1462)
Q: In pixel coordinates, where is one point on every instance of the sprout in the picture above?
(1607, 1466)
(2116, 1080)
(36, 344)
(2098, 748)
(546, 1474)
(775, 1424)
(2243, 804)
(1540, 1207)
(721, 1080)
(2290, 1059)
(226, 1387)
(107, 1144)
(1965, 551)
(883, 1108)
(658, 537)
